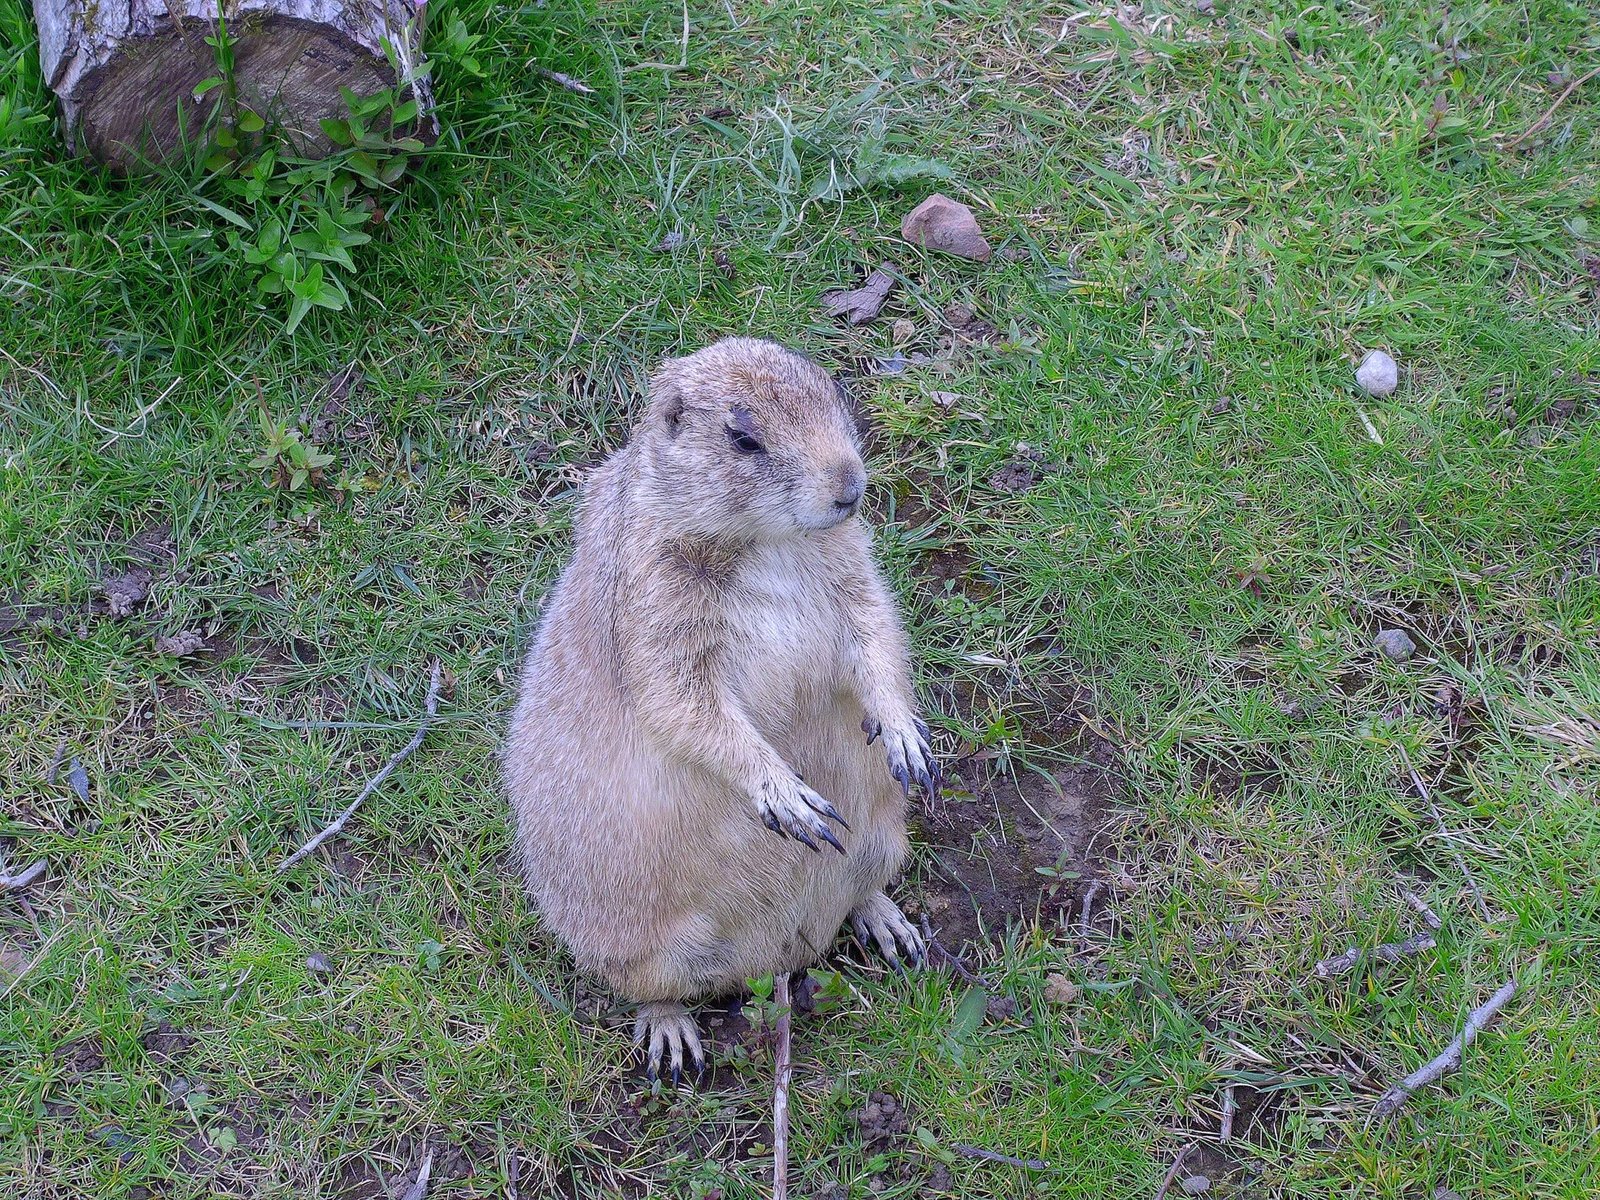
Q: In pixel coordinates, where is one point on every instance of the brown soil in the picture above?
(984, 857)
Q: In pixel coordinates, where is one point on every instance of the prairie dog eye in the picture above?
(742, 433)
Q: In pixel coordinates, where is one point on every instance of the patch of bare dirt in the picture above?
(1019, 849)
(82, 1057)
(166, 1042)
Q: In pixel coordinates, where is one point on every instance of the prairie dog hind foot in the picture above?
(878, 920)
(665, 1032)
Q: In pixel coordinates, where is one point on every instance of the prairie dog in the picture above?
(689, 730)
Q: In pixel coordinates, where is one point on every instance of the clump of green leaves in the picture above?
(295, 219)
(295, 464)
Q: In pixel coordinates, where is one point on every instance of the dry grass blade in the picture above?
(1551, 111)
(1438, 817)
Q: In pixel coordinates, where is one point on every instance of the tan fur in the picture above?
(719, 629)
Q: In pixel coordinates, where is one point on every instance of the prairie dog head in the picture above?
(749, 440)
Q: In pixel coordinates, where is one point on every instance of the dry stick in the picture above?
(56, 760)
(952, 960)
(419, 1189)
(780, 1092)
(1450, 1060)
(1551, 111)
(23, 878)
(1389, 952)
(1031, 1164)
(1172, 1172)
(1230, 1106)
(338, 824)
(1438, 817)
(566, 81)
(1429, 918)
(1089, 897)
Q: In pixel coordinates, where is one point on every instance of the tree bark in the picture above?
(126, 70)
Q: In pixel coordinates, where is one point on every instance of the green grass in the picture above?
(1189, 207)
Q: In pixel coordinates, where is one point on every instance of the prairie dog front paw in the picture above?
(907, 743)
(790, 809)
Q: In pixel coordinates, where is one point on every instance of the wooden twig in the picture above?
(1438, 817)
(1551, 111)
(337, 827)
(566, 81)
(1389, 952)
(952, 960)
(1450, 1060)
(419, 1189)
(780, 1091)
(56, 760)
(1230, 1108)
(1429, 918)
(23, 878)
(1089, 897)
(1031, 1164)
(1172, 1172)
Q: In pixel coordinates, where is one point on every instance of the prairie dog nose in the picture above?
(849, 485)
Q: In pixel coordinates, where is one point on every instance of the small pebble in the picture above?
(904, 330)
(318, 964)
(673, 241)
(1445, 1193)
(1394, 644)
(1378, 375)
(1195, 1185)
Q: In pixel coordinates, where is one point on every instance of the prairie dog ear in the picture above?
(666, 397)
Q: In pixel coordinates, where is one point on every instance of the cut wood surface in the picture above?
(126, 70)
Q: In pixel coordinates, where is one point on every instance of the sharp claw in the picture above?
(677, 1077)
(650, 1073)
(801, 835)
(832, 814)
(873, 729)
(924, 780)
(699, 1066)
(770, 820)
(826, 835)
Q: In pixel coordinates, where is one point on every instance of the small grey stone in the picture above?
(1444, 1193)
(1394, 644)
(318, 964)
(1195, 1185)
(1378, 375)
(179, 1087)
(673, 241)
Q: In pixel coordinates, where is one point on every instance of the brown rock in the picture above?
(946, 225)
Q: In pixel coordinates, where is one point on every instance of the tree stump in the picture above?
(126, 70)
